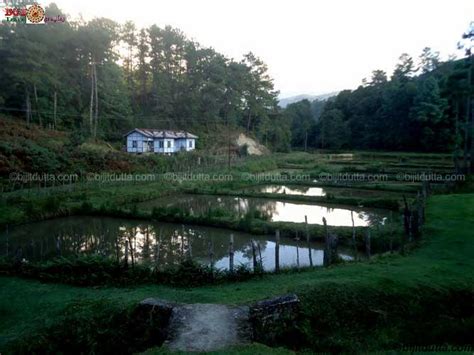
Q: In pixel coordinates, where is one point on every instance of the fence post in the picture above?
(367, 243)
(298, 250)
(277, 250)
(354, 244)
(327, 251)
(333, 240)
(210, 251)
(254, 256)
(58, 246)
(182, 241)
(231, 253)
(308, 242)
(260, 255)
(391, 233)
(126, 253)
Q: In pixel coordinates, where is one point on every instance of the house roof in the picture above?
(152, 133)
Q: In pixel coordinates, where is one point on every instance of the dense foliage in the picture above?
(103, 78)
(418, 109)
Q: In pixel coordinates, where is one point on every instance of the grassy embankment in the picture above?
(424, 298)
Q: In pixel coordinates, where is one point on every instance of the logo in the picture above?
(26, 12)
(35, 14)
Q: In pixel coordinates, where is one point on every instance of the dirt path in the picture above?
(207, 327)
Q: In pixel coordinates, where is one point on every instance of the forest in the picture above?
(99, 78)
(421, 107)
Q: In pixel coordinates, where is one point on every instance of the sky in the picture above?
(310, 46)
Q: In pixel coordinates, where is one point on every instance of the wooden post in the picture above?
(231, 253)
(277, 250)
(367, 243)
(407, 219)
(157, 251)
(260, 255)
(310, 254)
(182, 242)
(298, 250)
(210, 250)
(391, 233)
(254, 257)
(58, 246)
(327, 249)
(354, 244)
(420, 212)
(131, 251)
(333, 240)
(190, 248)
(19, 256)
(126, 253)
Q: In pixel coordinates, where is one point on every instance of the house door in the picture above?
(150, 146)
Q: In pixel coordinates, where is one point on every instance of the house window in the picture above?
(161, 144)
(190, 144)
(168, 144)
(134, 144)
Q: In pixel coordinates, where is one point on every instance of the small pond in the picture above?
(274, 210)
(321, 191)
(71, 236)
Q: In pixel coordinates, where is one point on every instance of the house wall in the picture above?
(166, 142)
(165, 148)
(175, 145)
(141, 140)
(183, 144)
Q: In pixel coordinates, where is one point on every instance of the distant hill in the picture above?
(292, 99)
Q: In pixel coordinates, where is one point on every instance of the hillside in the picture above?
(292, 99)
(32, 149)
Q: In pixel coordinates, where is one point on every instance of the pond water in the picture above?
(104, 236)
(273, 210)
(320, 191)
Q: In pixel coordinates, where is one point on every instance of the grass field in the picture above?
(443, 263)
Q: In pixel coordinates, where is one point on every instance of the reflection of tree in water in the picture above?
(107, 237)
(373, 218)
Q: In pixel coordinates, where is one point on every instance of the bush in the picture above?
(95, 270)
(352, 318)
(95, 327)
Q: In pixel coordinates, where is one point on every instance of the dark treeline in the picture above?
(102, 78)
(419, 108)
(99, 78)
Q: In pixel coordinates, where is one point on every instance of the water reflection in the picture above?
(321, 191)
(276, 211)
(150, 243)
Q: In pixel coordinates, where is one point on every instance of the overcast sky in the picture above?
(310, 46)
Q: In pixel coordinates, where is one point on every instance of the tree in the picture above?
(259, 95)
(129, 38)
(301, 118)
(404, 69)
(429, 110)
(429, 60)
(334, 131)
(379, 77)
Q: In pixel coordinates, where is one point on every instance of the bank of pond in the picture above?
(211, 230)
(270, 209)
(154, 243)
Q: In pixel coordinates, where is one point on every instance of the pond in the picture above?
(321, 191)
(152, 243)
(273, 210)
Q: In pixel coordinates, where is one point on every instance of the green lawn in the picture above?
(444, 260)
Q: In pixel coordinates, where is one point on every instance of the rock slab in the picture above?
(206, 327)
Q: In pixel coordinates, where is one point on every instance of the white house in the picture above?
(142, 140)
